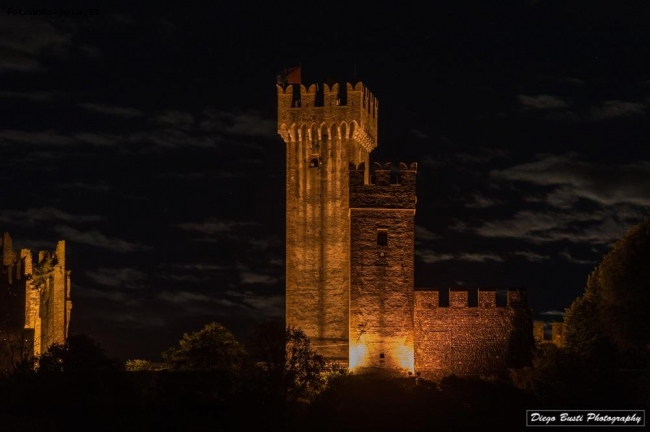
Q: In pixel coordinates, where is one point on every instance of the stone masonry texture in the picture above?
(35, 303)
(350, 252)
(324, 130)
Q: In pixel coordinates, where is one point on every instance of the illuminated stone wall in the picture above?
(324, 130)
(468, 341)
(35, 302)
(549, 333)
(350, 252)
(381, 269)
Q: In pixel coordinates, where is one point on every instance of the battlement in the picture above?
(460, 298)
(320, 112)
(35, 295)
(321, 95)
(391, 189)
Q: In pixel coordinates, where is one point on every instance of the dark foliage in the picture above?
(624, 282)
(79, 354)
(286, 367)
(212, 348)
(610, 323)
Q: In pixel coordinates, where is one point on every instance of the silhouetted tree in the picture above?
(624, 282)
(585, 334)
(16, 350)
(79, 354)
(211, 348)
(614, 311)
(287, 366)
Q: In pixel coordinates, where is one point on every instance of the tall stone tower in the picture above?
(325, 129)
(382, 227)
(35, 303)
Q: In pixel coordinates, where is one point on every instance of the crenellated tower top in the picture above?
(389, 189)
(336, 112)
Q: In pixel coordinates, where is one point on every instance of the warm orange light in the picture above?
(403, 354)
(358, 355)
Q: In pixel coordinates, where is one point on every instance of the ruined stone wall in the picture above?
(35, 303)
(381, 269)
(52, 280)
(549, 333)
(467, 341)
(322, 136)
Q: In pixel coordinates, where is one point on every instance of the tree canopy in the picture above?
(615, 307)
(213, 347)
(290, 368)
(79, 354)
(624, 282)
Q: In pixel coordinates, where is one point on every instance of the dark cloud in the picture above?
(542, 102)
(98, 139)
(100, 187)
(213, 226)
(600, 227)
(532, 256)
(249, 277)
(480, 201)
(419, 134)
(171, 139)
(124, 19)
(421, 233)
(202, 267)
(184, 277)
(49, 137)
(34, 96)
(204, 175)
(126, 277)
(243, 124)
(606, 184)
(191, 297)
(566, 255)
(98, 239)
(23, 41)
(34, 216)
(265, 305)
(112, 295)
(616, 109)
(428, 256)
(173, 118)
(131, 319)
(112, 110)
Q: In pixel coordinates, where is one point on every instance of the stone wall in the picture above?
(552, 332)
(381, 269)
(467, 341)
(35, 303)
(321, 140)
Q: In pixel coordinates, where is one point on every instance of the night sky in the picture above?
(147, 139)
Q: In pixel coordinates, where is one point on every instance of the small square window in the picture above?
(382, 237)
(381, 355)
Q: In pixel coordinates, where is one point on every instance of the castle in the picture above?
(350, 252)
(35, 302)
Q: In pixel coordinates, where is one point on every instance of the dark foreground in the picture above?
(176, 401)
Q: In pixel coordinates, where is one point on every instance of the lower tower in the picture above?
(382, 231)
